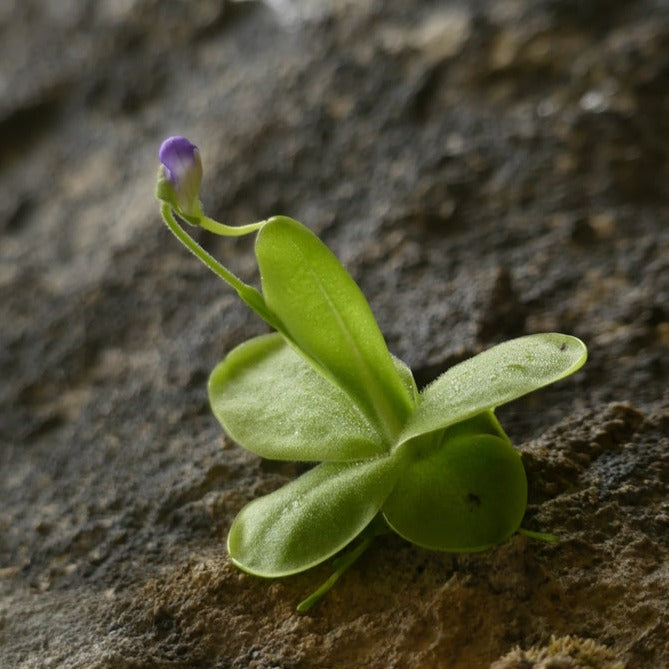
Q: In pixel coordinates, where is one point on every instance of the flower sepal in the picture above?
(165, 193)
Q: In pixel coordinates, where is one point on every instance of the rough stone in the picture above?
(484, 169)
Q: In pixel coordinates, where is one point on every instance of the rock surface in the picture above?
(484, 170)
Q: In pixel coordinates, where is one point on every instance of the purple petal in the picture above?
(179, 156)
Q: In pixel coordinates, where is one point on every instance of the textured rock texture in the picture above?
(484, 169)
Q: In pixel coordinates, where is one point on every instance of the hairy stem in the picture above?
(252, 297)
(228, 230)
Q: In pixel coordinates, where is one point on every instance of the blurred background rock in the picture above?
(484, 169)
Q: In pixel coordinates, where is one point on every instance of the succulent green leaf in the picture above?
(325, 315)
(492, 378)
(463, 494)
(311, 518)
(275, 404)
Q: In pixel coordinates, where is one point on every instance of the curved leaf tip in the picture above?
(492, 378)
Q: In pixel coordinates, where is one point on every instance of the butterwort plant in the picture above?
(434, 465)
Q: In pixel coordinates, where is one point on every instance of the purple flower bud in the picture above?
(182, 168)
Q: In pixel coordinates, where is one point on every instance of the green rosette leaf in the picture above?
(311, 518)
(462, 494)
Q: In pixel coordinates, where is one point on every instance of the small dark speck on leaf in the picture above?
(473, 499)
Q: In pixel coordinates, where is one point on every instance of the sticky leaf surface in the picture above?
(311, 518)
(325, 314)
(492, 378)
(462, 495)
(275, 404)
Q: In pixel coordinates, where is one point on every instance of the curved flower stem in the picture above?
(228, 230)
(252, 297)
(344, 561)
